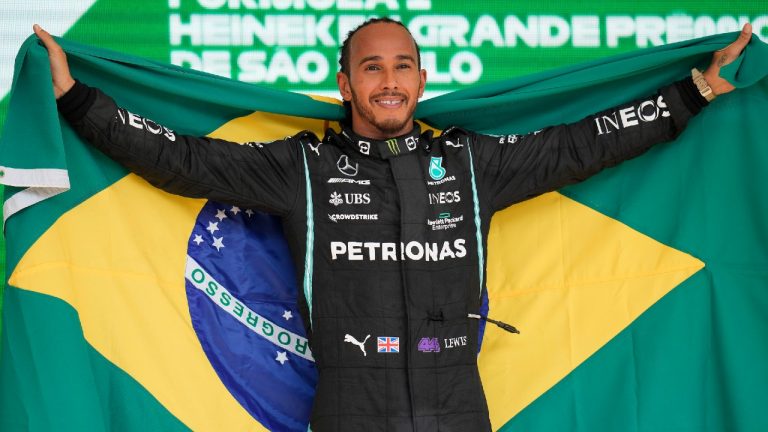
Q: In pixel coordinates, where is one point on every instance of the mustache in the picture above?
(389, 94)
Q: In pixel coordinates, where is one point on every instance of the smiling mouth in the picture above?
(389, 102)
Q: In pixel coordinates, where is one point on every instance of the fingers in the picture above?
(62, 79)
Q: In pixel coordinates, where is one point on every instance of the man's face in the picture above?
(384, 83)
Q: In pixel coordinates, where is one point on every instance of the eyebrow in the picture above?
(378, 57)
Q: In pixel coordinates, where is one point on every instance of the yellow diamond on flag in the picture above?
(570, 279)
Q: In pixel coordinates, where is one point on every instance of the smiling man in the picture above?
(388, 224)
(381, 79)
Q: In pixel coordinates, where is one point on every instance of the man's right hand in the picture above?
(62, 79)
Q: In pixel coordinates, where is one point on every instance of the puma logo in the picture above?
(315, 149)
(351, 339)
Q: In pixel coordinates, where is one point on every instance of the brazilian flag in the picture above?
(641, 294)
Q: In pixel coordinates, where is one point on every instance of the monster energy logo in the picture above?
(394, 148)
(254, 322)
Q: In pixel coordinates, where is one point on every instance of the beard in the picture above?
(389, 127)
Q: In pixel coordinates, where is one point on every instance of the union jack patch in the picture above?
(387, 344)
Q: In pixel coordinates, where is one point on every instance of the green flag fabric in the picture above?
(642, 292)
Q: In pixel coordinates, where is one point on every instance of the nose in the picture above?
(390, 80)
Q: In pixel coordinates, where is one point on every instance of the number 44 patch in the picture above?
(429, 345)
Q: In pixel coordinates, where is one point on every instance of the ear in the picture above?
(342, 80)
(423, 82)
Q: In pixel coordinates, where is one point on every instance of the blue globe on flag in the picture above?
(241, 291)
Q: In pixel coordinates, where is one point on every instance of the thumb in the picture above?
(46, 38)
(731, 52)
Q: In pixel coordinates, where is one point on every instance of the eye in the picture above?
(372, 67)
(404, 66)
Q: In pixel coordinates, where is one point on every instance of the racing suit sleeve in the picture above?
(512, 168)
(255, 175)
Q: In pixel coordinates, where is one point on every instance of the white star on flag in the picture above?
(220, 215)
(198, 239)
(235, 210)
(218, 243)
(287, 315)
(282, 357)
(249, 212)
(213, 227)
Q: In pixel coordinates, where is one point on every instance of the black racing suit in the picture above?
(388, 237)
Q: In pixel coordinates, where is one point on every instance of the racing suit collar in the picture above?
(382, 149)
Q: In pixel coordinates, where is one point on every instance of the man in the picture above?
(387, 224)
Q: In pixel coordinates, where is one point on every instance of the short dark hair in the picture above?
(344, 59)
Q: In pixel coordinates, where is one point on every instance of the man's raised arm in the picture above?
(516, 167)
(261, 176)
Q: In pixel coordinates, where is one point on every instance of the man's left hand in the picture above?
(723, 57)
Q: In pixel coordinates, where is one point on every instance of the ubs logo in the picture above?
(338, 199)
